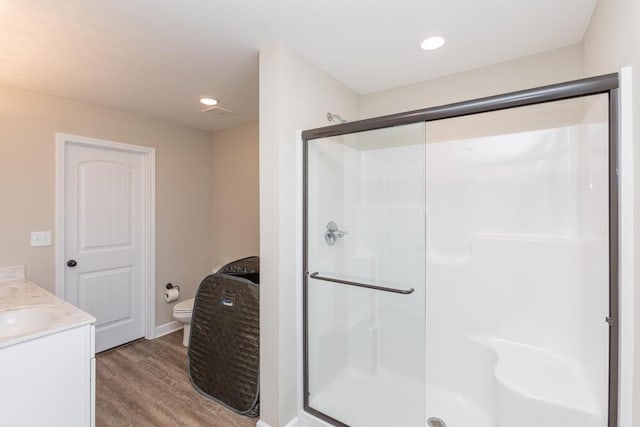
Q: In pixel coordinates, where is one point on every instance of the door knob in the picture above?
(72, 263)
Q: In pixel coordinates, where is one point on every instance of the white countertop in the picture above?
(21, 293)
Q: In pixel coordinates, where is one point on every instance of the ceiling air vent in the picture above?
(218, 111)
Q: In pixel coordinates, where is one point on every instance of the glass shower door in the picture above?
(365, 277)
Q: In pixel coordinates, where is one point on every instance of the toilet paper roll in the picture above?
(171, 295)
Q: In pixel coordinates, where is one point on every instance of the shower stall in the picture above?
(460, 263)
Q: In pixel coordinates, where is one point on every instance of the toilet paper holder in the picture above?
(172, 286)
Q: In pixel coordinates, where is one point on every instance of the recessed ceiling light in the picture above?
(432, 43)
(208, 101)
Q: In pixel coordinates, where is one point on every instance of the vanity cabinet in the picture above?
(49, 380)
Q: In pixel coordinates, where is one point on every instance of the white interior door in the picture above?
(104, 232)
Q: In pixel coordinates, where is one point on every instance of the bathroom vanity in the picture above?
(47, 358)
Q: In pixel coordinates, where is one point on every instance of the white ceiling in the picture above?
(156, 57)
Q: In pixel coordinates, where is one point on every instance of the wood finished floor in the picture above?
(145, 383)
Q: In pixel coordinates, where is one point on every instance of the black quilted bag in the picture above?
(224, 348)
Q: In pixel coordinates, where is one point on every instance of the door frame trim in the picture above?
(149, 202)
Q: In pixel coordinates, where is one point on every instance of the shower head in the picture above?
(331, 117)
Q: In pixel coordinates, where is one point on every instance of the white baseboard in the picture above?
(292, 423)
(167, 328)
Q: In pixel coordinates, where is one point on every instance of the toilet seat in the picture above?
(184, 307)
(183, 317)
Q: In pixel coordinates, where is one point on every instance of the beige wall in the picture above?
(236, 219)
(551, 67)
(28, 123)
(294, 95)
(611, 42)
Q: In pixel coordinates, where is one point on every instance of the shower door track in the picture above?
(605, 84)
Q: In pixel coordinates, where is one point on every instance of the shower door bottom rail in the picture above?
(317, 276)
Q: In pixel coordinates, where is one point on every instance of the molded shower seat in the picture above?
(538, 386)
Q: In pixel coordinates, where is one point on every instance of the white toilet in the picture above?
(182, 312)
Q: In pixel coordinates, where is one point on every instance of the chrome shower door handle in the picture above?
(332, 233)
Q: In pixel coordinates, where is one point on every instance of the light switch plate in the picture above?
(40, 238)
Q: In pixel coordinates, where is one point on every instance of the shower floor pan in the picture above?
(356, 399)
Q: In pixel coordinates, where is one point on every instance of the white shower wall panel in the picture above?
(391, 217)
(376, 193)
(370, 192)
(594, 206)
(331, 165)
(392, 226)
(517, 250)
(539, 293)
(519, 184)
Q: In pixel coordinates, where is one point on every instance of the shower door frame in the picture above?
(606, 84)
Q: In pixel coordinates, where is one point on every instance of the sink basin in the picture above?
(26, 320)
